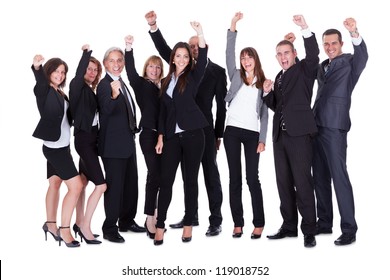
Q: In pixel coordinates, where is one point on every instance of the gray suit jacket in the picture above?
(236, 83)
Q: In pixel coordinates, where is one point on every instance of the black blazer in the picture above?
(116, 140)
(83, 100)
(146, 94)
(213, 85)
(51, 108)
(181, 108)
(295, 94)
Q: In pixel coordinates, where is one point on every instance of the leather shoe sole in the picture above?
(282, 233)
(180, 224)
(117, 238)
(213, 230)
(133, 228)
(345, 239)
(309, 241)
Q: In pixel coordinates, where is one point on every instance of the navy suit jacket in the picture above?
(116, 140)
(333, 101)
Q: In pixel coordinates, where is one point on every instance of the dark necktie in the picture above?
(282, 124)
(130, 108)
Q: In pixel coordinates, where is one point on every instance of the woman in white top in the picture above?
(247, 121)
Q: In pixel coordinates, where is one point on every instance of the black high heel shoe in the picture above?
(188, 238)
(159, 242)
(76, 230)
(88, 241)
(148, 233)
(237, 234)
(46, 230)
(255, 236)
(71, 244)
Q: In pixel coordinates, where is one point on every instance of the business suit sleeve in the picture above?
(312, 57)
(360, 58)
(263, 123)
(220, 94)
(77, 83)
(269, 100)
(136, 81)
(230, 53)
(41, 88)
(161, 45)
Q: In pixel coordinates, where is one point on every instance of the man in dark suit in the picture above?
(337, 77)
(212, 87)
(116, 147)
(293, 127)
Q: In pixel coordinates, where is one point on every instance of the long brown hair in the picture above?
(258, 71)
(99, 73)
(182, 79)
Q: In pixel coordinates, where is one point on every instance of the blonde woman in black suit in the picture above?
(147, 90)
(54, 129)
(83, 105)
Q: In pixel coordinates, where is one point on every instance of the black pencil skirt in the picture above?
(60, 162)
(89, 164)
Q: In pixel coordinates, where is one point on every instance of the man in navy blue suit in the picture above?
(337, 77)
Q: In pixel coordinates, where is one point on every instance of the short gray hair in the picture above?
(113, 49)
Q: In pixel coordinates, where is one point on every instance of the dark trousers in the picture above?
(233, 139)
(185, 148)
(121, 197)
(148, 140)
(329, 163)
(293, 158)
(211, 177)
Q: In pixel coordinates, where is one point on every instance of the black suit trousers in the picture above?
(121, 197)
(187, 149)
(293, 159)
(148, 140)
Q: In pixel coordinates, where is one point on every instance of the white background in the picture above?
(60, 28)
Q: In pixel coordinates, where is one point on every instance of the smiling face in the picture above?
(285, 55)
(114, 63)
(247, 63)
(153, 72)
(58, 76)
(181, 59)
(332, 45)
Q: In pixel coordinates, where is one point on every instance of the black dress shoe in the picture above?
(282, 233)
(180, 224)
(322, 230)
(213, 230)
(133, 227)
(309, 241)
(114, 237)
(345, 239)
